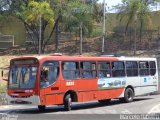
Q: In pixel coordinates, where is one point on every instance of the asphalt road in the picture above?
(90, 110)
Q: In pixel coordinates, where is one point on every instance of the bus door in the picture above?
(49, 85)
(149, 76)
(153, 73)
(79, 76)
(144, 76)
(87, 85)
(88, 76)
(133, 77)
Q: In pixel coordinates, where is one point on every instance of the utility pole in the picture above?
(103, 26)
(135, 34)
(81, 37)
(40, 37)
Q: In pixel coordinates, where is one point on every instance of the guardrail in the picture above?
(3, 99)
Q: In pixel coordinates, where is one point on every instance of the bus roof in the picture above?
(72, 58)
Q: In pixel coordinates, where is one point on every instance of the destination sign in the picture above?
(24, 62)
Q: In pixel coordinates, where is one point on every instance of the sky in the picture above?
(110, 3)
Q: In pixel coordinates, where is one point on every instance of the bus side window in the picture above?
(104, 69)
(152, 65)
(70, 70)
(143, 68)
(118, 69)
(131, 68)
(49, 73)
(53, 73)
(88, 69)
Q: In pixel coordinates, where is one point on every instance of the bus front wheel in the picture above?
(67, 102)
(128, 96)
(41, 107)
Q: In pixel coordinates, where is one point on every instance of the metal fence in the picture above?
(6, 41)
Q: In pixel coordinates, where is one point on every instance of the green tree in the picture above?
(79, 19)
(29, 13)
(77, 13)
(97, 12)
(72, 14)
(33, 13)
(55, 14)
(133, 12)
(3, 6)
(130, 9)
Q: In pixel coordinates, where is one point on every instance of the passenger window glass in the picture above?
(131, 68)
(143, 68)
(152, 68)
(88, 69)
(104, 69)
(118, 69)
(49, 73)
(70, 70)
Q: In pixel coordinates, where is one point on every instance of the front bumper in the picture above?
(32, 100)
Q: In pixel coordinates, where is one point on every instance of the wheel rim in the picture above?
(69, 102)
(129, 95)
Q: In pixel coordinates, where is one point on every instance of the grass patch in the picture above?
(3, 88)
(97, 31)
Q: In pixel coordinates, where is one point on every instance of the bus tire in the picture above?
(106, 101)
(67, 102)
(128, 95)
(41, 107)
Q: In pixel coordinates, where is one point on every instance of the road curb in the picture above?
(10, 107)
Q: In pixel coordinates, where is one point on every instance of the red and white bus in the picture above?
(61, 80)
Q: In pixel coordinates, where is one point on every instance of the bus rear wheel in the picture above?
(106, 101)
(67, 102)
(128, 96)
(41, 107)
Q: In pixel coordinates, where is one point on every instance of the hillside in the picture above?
(12, 26)
(115, 44)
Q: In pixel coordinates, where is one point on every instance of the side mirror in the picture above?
(4, 74)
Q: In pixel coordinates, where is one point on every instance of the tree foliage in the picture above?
(73, 13)
(76, 14)
(29, 12)
(35, 10)
(136, 13)
(55, 14)
(131, 10)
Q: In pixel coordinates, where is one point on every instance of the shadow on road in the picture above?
(75, 107)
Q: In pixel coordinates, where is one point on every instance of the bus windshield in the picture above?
(23, 77)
